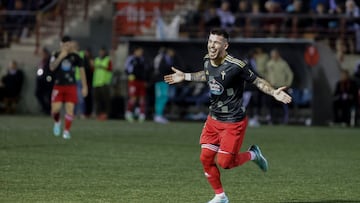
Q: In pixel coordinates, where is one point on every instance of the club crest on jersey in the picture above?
(215, 87)
(65, 65)
(223, 73)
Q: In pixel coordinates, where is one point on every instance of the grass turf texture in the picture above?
(115, 161)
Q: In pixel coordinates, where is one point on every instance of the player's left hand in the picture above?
(281, 95)
(84, 91)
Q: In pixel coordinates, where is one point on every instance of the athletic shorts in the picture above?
(64, 93)
(227, 136)
(136, 88)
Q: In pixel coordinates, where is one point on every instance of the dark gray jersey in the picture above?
(226, 83)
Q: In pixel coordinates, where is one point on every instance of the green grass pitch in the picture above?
(115, 161)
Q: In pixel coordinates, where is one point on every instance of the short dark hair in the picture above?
(220, 32)
(66, 38)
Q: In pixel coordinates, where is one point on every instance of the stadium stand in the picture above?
(333, 29)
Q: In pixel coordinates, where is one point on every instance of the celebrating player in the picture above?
(224, 130)
(63, 64)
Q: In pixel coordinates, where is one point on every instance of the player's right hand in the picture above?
(177, 76)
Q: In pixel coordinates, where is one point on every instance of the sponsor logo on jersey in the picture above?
(215, 87)
(66, 65)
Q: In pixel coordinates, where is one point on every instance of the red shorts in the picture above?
(64, 93)
(228, 136)
(136, 88)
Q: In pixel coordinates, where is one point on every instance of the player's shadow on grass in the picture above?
(326, 201)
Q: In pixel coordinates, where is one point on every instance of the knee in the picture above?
(206, 159)
(224, 161)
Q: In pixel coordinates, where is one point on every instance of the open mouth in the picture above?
(212, 52)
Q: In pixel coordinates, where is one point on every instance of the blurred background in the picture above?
(318, 40)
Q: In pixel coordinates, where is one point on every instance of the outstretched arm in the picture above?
(179, 76)
(279, 94)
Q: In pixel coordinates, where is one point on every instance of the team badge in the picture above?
(223, 75)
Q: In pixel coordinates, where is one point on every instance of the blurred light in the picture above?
(48, 78)
(40, 72)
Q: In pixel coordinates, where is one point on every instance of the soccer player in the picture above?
(63, 64)
(135, 68)
(224, 130)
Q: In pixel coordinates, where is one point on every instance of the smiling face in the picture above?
(217, 46)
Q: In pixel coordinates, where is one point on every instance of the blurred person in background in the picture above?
(162, 66)
(227, 18)
(44, 82)
(63, 63)
(12, 83)
(101, 83)
(352, 11)
(17, 21)
(278, 73)
(272, 25)
(357, 81)
(135, 69)
(211, 19)
(89, 71)
(345, 98)
(80, 105)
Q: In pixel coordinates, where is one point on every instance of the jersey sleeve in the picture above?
(247, 74)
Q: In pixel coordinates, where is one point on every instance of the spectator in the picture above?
(12, 83)
(272, 25)
(357, 81)
(17, 20)
(321, 23)
(167, 31)
(261, 59)
(345, 97)
(278, 73)
(101, 84)
(243, 8)
(226, 17)
(283, 4)
(211, 19)
(296, 8)
(80, 105)
(44, 82)
(251, 93)
(89, 70)
(352, 10)
(315, 3)
(135, 68)
(255, 23)
(161, 88)
(162, 66)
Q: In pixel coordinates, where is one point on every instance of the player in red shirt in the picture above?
(63, 64)
(224, 130)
